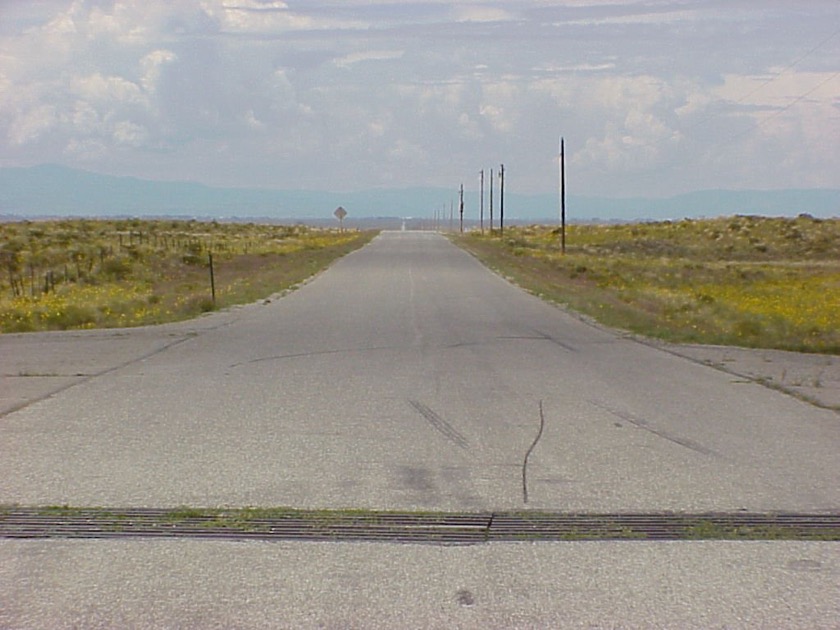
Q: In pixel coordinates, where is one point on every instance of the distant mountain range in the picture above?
(50, 191)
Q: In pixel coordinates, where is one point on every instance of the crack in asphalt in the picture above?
(643, 424)
(441, 425)
(303, 355)
(546, 337)
(528, 454)
(538, 336)
(84, 378)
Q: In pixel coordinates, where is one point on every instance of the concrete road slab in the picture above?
(200, 584)
(410, 377)
(34, 366)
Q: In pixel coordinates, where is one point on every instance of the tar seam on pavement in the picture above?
(528, 454)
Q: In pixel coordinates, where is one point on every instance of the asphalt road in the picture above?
(407, 376)
(616, 585)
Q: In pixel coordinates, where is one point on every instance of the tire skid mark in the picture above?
(441, 425)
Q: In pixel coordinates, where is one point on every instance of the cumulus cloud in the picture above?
(61, 24)
(367, 55)
(384, 92)
(256, 17)
(101, 89)
(150, 66)
(86, 149)
(252, 121)
(129, 133)
(31, 124)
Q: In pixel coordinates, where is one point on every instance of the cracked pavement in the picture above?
(409, 377)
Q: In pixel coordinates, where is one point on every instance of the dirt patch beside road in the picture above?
(812, 377)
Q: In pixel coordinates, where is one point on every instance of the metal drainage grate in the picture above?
(407, 527)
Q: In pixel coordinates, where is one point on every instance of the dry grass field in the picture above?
(742, 281)
(70, 274)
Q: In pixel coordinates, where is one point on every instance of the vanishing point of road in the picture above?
(408, 377)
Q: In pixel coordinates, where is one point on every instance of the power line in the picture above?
(779, 112)
(789, 66)
(651, 144)
(757, 124)
(767, 82)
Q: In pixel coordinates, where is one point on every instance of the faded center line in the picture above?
(412, 305)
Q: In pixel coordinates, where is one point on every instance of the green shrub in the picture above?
(118, 268)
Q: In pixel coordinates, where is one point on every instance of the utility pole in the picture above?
(212, 279)
(491, 201)
(451, 215)
(481, 215)
(562, 196)
(462, 208)
(502, 199)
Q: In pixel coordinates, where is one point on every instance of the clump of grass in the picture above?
(745, 281)
(59, 275)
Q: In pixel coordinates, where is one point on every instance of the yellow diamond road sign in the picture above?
(340, 213)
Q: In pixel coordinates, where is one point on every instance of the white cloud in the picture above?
(31, 124)
(404, 150)
(102, 89)
(129, 133)
(378, 128)
(251, 120)
(150, 66)
(366, 92)
(61, 24)
(779, 88)
(249, 16)
(481, 13)
(470, 128)
(695, 100)
(621, 93)
(87, 149)
(655, 18)
(497, 118)
(100, 22)
(580, 68)
(367, 55)
(83, 118)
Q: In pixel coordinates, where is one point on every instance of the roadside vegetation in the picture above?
(743, 281)
(72, 274)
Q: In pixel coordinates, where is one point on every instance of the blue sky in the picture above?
(654, 97)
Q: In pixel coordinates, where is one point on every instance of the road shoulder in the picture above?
(814, 378)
